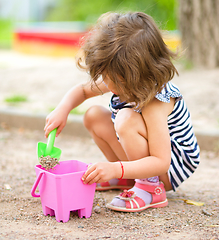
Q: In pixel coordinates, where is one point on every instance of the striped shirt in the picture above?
(184, 147)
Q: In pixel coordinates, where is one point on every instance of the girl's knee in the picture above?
(124, 120)
(127, 120)
(90, 116)
(93, 115)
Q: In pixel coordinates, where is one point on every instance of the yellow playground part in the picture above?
(66, 44)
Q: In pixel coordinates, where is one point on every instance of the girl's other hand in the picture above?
(99, 172)
(56, 119)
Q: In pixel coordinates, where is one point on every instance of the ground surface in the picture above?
(44, 81)
(21, 215)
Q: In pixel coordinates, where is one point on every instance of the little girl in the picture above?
(147, 134)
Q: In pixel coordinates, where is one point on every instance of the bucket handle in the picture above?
(36, 184)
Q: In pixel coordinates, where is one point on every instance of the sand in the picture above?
(44, 81)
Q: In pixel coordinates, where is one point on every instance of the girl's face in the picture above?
(110, 84)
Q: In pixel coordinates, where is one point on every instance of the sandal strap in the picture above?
(136, 202)
(158, 192)
(131, 200)
(150, 188)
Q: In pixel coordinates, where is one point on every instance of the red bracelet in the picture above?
(122, 170)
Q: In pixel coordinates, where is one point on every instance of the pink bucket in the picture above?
(61, 190)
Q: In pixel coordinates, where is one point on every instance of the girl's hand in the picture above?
(56, 119)
(100, 172)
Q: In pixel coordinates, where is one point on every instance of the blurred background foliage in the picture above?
(164, 12)
(6, 30)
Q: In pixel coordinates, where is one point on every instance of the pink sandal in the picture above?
(136, 204)
(122, 185)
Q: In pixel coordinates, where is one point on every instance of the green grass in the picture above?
(75, 111)
(16, 99)
(6, 33)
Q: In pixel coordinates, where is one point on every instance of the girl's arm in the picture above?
(74, 97)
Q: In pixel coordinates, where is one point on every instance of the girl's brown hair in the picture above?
(129, 49)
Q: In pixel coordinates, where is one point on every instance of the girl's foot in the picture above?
(115, 184)
(139, 198)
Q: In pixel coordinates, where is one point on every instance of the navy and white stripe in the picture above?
(185, 150)
(184, 147)
(115, 105)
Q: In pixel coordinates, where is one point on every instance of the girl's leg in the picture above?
(98, 122)
(165, 179)
(131, 128)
